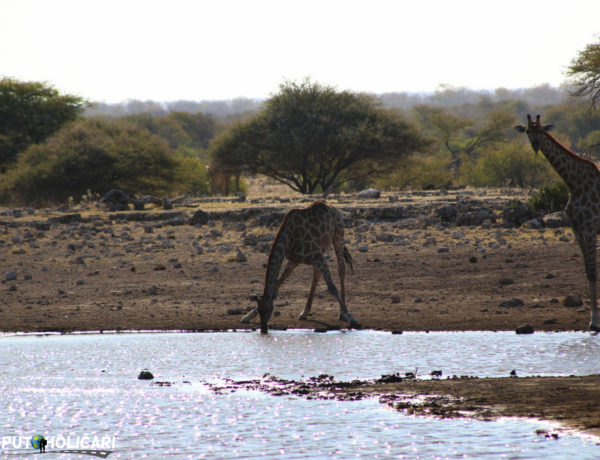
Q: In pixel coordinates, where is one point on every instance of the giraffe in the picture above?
(304, 236)
(583, 180)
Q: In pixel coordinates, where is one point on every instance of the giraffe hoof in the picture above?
(594, 327)
(303, 317)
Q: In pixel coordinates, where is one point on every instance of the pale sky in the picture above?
(116, 50)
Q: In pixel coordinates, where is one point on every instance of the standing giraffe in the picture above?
(304, 236)
(583, 179)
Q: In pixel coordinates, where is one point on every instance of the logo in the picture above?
(95, 446)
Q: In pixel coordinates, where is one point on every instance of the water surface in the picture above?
(86, 385)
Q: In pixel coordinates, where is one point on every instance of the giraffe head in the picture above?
(265, 309)
(534, 130)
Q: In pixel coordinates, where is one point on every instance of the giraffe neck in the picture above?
(276, 257)
(570, 166)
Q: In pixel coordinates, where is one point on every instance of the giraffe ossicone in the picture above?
(583, 209)
(303, 238)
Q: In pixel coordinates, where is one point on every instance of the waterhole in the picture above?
(71, 387)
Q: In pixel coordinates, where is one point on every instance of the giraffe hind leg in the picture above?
(344, 315)
(311, 294)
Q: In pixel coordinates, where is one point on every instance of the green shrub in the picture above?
(417, 172)
(99, 155)
(512, 164)
(550, 198)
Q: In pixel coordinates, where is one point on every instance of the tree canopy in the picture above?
(30, 112)
(100, 155)
(313, 137)
(585, 69)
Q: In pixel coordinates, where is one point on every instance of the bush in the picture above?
(99, 155)
(513, 164)
(418, 172)
(550, 198)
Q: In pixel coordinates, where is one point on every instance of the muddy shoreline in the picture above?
(571, 401)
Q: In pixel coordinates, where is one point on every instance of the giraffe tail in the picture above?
(348, 259)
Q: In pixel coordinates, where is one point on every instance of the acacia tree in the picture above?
(30, 112)
(463, 138)
(585, 69)
(313, 137)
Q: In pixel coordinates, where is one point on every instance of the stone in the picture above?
(199, 217)
(116, 200)
(524, 329)
(11, 276)
(369, 193)
(517, 214)
(514, 302)
(240, 256)
(145, 375)
(573, 300)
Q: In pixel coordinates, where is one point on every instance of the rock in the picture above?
(430, 242)
(65, 218)
(200, 217)
(43, 226)
(506, 281)
(11, 276)
(514, 302)
(473, 259)
(175, 221)
(145, 375)
(524, 329)
(363, 248)
(556, 220)
(167, 204)
(240, 256)
(447, 213)
(138, 205)
(395, 299)
(147, 199)
(251, 239)
(369, 193)
(517, 214)
(384, 237)
(389, 378)
(573, 301)
(116, 200)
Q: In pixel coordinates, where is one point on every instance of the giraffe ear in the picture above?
(548, 128)
(520, 128)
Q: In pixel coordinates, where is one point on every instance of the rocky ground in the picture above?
(433, 260)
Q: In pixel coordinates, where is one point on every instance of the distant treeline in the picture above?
(445, 96)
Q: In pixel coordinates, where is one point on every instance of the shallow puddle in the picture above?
(77, 386)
